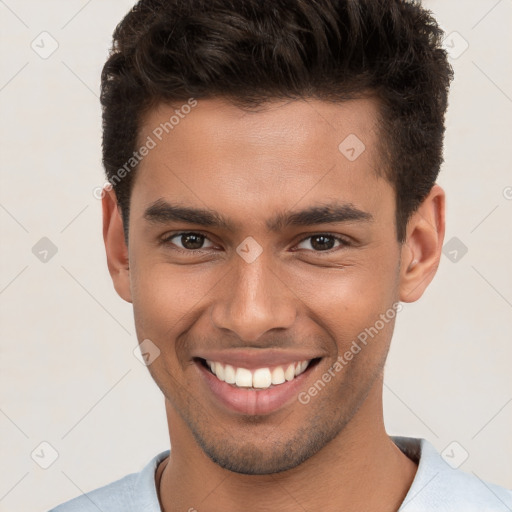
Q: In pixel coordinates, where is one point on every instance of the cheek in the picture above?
(167, 298)
(347, 301)
(165, 302)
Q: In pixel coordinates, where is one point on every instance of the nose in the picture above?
(254, 299)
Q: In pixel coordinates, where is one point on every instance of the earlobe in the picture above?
(115, 245)
(421, 252)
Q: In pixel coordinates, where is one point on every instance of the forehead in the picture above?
(296, 125)
(287, 152)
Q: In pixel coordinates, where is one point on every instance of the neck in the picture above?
(361, 458)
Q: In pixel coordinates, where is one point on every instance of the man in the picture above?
(273, 200)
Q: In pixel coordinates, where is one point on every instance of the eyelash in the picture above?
(167, 241)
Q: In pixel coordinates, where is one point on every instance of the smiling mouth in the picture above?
(258, 378)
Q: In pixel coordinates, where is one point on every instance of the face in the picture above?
(257, 242)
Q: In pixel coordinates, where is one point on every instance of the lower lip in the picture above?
(249, 401)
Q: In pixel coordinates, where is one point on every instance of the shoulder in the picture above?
(439, 487)
(135, 491)
(114, 496)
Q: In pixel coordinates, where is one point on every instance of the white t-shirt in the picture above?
(437, 487)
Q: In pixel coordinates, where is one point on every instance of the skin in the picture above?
(249, 166)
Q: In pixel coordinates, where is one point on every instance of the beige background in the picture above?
(68, 373)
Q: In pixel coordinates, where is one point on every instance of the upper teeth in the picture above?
(259, 378)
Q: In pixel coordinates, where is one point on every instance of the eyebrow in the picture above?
(161, 212)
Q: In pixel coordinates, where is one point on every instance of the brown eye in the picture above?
(323, 242)
(189, 241)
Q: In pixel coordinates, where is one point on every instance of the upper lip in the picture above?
(257, 358)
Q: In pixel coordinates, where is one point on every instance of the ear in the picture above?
(421, 251)
(115, 245)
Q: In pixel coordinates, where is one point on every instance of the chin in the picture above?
(269, 457)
